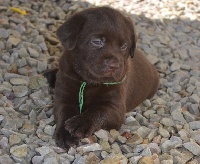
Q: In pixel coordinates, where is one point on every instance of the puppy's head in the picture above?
(99, 42)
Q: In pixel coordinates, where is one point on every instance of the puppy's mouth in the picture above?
(103, 75)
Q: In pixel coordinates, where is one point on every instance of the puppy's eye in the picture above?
(98, 42)
(124, 47)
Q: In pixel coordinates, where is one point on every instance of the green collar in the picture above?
(82, 87)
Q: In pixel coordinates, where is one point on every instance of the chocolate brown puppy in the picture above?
(101, 75)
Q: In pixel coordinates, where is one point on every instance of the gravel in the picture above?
(164, 130)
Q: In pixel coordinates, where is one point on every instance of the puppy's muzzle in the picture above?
(111, 65)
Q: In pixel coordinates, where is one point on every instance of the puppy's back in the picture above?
(143, 80)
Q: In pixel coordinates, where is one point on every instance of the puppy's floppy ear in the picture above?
(133, 36)
(133, 45)
(68, 32)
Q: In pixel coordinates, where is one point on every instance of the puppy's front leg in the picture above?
(63, 138)
(96, 117)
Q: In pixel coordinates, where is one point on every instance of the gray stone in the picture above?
(33, 116)
(130, 120)
(194, 109)
(183, 134)
(152, 134)
(177, 139)
(9, 123)
(166, 157)
(50, 159)
(175, 152)
(52, 40)
(194, 52)
(160, 101)
(104, 145)
(135, 159)
(20, 91)
(37, 82)
(194, 99)
(163, 132)
(141, 119)
(41, 115)
(1, 118)
(20, 28)
(18, 101)
(4, 65)
(25, 108)
(44, 150)
(146, 152)
(147, 103)
(3, 33)
(19, 151)
(154, 148)
(153, 59)
(2, 45)
(114, 133)
(115, 148)
(167, 122)
(188, 117)
(134, 140)
(68, 156)
(5, 159)
(18, 81)
(37, 159)
(80, 160)
(139, 148)
(192, 147)
(126, 149)
(14, 139)
(5, 57)
(23, 52)
(149, 113)
(121, 139)
(176, 88)
(32, 62)
(168, 145)
(112, 158)
(41, 66)
(195, 125)
(38, 39)
(13, 41)
(175, 66)
(43, 46)
(89, 147)
(190, 89)
(4, 88)
(196, 136)
(177, 115)
(162, 67)
(186, 156)
(8, 132)
(28, 128)
(4, 142)
(49, 129)
(143, 131)
(185, 67)
(33, 53)
(65, 7)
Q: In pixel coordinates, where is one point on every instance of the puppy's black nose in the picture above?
(112, 64)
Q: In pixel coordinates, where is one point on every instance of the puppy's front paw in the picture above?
(80, 126)
(64, 139)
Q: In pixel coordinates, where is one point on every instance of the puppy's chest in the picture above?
(90, 95)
